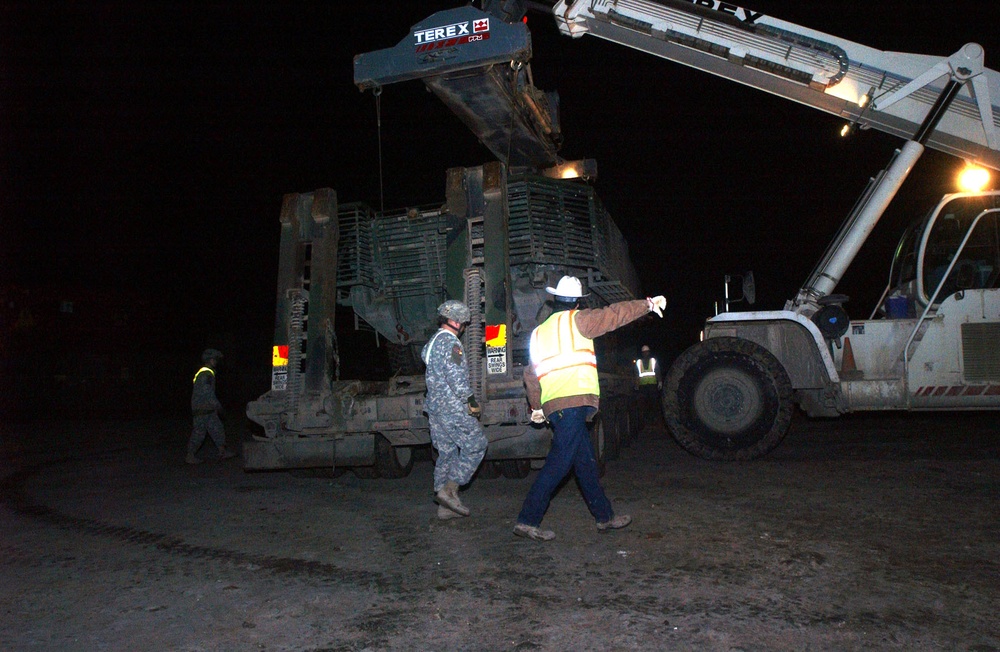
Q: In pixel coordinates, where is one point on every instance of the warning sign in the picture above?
(496, 349)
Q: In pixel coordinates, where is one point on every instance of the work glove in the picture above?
(474, 408)
(657, 305)
(537, 416)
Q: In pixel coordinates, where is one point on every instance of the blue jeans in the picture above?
(571, 449)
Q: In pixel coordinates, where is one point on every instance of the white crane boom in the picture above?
(888, 91)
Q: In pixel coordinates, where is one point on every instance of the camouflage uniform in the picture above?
(456, 434)
(205, 409)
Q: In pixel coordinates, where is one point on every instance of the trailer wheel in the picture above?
(612, 435)
(392, 461)
(404, 359)
(624, 426)
(597, 442)
(728, 399)
(365, 472)
(515, 469)
(488, 470)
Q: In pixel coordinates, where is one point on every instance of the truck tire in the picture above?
(392, 461)
(728, 399)
(404, 359)
(597, 442)
(612, 434)
(515, 469)
(365, 472)
(488, 470)
(625, 426)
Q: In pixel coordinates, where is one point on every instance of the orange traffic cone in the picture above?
(847, 363)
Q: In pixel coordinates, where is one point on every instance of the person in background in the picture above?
(649, 382)
(205, 410)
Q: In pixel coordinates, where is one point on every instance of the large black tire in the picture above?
(488, 470)
(392, 461)
(728, 399)
(365, 472)
(515, 469)
(625, 426)
(404, 359)
(597, 442)
(324, 472)
(612, 434)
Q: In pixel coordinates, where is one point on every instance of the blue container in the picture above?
(897, 307)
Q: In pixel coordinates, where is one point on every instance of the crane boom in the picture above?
(888, 91)
(477, 62)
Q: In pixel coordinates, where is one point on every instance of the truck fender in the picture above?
(793, 339)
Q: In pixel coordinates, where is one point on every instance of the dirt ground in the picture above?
(869, 532)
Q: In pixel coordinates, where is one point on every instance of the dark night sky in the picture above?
(146, 147)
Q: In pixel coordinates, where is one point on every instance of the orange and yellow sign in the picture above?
(279, 356)
(496, 335)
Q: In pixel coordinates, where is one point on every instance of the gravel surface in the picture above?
(868, 532)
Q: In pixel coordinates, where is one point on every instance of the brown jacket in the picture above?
(592, 323)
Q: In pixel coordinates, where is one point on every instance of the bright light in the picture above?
(569, 172)
(973, 178)
(863, 101)
(845, 131)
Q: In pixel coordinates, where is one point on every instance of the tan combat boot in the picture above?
(448, 497)
(445, 514)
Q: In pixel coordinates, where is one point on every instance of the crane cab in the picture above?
(928, 250)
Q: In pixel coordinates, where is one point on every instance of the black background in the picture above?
(147, 146)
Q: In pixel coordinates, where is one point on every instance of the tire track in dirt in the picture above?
(15, 497)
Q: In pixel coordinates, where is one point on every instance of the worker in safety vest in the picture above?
(648, 382)
(648, 370)
(205, 409)
(563, 388)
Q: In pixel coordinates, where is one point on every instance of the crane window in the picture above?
(978, 264)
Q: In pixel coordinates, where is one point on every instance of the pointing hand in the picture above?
(657, 305)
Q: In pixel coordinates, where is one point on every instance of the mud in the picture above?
(871, 532)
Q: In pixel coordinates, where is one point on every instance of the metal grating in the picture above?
(355, 258)
(410, 251)
(980, 354)
(562, 223)
(550, 223)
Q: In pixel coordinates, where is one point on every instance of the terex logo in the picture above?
(450, 35)
(745, 15)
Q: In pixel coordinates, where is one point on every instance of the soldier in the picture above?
(563, 388)
(452, 410)
(205, 409)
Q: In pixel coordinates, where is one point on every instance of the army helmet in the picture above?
(208, 354)
(456, 310)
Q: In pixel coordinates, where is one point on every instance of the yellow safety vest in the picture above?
(563, 359)
(646, 376)
(208, 369)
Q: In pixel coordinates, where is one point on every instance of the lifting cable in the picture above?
(378, 120)
(516, 67)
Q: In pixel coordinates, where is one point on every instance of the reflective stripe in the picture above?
(430, 345)
(647, 376)
(563, 359)
(208, 369)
